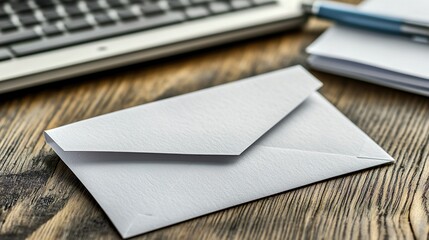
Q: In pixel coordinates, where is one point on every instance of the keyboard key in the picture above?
(76, 24)
(199, 1)
(20, 6)
(240, 4)
(219, 7)
(18, 37)
(28, 19)
(175, 4)
(114, 3)
(125, 14)
(44, 3)
(51, 30)
(51, 14)
(2, 11)
(93, 6)
(196, 12)
(103, 18)
(149, 9)
(4, 54)
(96, 34)
(6, 24)
(263, 2)
(72, 9)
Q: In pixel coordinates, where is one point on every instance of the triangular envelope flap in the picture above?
(222, 120)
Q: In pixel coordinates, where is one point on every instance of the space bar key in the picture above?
(96, 34)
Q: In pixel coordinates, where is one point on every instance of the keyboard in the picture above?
(30, 27)
(49, 40)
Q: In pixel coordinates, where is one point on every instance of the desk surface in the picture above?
(40, 198)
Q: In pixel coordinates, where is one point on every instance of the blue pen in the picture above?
(350, 15)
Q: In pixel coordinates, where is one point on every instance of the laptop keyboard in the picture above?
(34, 26)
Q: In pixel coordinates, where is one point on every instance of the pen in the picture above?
(351, 15)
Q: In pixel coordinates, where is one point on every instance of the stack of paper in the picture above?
(165, 162)
(394, 61)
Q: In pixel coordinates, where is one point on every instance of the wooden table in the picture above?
(40, 198)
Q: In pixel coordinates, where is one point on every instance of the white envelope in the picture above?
(165, 162)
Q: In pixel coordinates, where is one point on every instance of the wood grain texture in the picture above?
(40, 198)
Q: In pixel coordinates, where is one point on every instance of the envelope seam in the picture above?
(334, 154)
(378, 159)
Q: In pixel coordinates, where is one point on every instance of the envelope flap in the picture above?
(222, 120)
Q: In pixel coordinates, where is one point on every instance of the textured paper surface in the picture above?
(141, 192)
(222, 120)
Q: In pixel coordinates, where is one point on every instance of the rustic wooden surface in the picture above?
(41, 199)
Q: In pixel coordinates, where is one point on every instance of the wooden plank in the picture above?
(40, 198)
